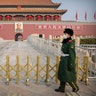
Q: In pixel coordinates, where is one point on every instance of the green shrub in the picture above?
(82, 41)
(88, 41)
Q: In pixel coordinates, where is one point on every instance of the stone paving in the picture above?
(42, 89)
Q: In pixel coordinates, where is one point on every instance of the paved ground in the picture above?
(42, 89)
(24, 49)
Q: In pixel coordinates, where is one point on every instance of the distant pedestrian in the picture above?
(66, 71)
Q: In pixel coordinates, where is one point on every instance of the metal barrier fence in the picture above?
(37, 72)
(91, 48)
(92, 62)
(88, 46)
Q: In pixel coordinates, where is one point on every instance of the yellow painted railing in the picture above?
(82, 70)
(39, 72)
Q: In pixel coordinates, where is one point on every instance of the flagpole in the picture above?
(76, 16)
(85, 16)
(95, 15)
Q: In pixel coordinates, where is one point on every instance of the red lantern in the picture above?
(47, 17)
(8, 17)
(38, 17)
(1, 17)
(29, 17)
(56, 17)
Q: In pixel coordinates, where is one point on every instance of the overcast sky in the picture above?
(81, 6)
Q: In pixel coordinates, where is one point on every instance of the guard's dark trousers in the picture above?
(61, 88)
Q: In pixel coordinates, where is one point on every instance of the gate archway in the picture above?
(18, 37)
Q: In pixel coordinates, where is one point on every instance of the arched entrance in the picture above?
(18, 37)
(40, 35)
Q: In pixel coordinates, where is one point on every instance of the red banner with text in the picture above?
(58, 26)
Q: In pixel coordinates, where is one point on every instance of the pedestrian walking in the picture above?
(66, 71)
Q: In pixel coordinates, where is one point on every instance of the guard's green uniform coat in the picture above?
(64, 74)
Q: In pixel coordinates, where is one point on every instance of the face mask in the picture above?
(64, 36)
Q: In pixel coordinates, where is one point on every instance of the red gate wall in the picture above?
(7, 31)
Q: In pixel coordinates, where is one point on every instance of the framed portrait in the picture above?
(18, 27)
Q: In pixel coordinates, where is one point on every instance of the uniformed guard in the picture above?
(66, 71)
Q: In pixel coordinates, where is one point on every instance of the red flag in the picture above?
(85, 15)
(76, 16)
(95, 16)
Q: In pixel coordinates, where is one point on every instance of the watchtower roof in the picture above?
(29, 2)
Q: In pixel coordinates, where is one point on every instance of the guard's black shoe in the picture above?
(76, 90)
(59, 90)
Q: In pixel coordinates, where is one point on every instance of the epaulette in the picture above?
(69, 40)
